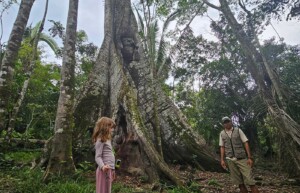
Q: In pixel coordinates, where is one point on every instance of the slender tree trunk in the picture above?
(61, 159)
(22, 94)
(8, 62)
(120, 86)
(156, 124)
(256, 64)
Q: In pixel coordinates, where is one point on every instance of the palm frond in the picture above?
(171, 18)
(140, 21)
(35, 30)
(50, 42)
(141, 29)
(161, 53)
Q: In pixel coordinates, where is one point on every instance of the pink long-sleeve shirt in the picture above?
(104, 154)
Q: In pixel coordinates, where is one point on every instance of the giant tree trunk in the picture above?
(8, 62)
(120, 87)
(271, 93)
(61, 159)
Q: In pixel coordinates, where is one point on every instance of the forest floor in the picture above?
(269, 179)
(212, 182)
(195, 182)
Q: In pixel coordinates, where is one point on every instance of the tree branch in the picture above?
(211, 5)
(242, 5)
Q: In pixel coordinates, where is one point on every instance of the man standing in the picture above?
(235, 151)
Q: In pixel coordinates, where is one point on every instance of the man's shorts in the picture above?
(240, 172)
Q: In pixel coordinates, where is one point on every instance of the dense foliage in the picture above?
(207, 79)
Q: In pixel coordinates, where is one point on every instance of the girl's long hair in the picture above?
(102, 129)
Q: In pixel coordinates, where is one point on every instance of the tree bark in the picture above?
(120, 86)
(61, 159)
(8, 62)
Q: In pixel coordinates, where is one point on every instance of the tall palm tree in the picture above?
(8, 62)
(61, 159)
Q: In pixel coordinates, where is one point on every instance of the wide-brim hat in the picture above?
(225, 119)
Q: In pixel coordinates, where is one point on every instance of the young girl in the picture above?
(104, 156)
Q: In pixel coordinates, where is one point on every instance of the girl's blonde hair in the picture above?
(102, 129)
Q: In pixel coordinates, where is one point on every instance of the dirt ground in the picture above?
(212, 182)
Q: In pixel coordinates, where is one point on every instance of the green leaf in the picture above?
(50, 42)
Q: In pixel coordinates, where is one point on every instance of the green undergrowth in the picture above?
(21, 156)
(17, 177)
(24, 180)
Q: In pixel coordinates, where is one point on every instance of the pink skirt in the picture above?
(103, 181)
